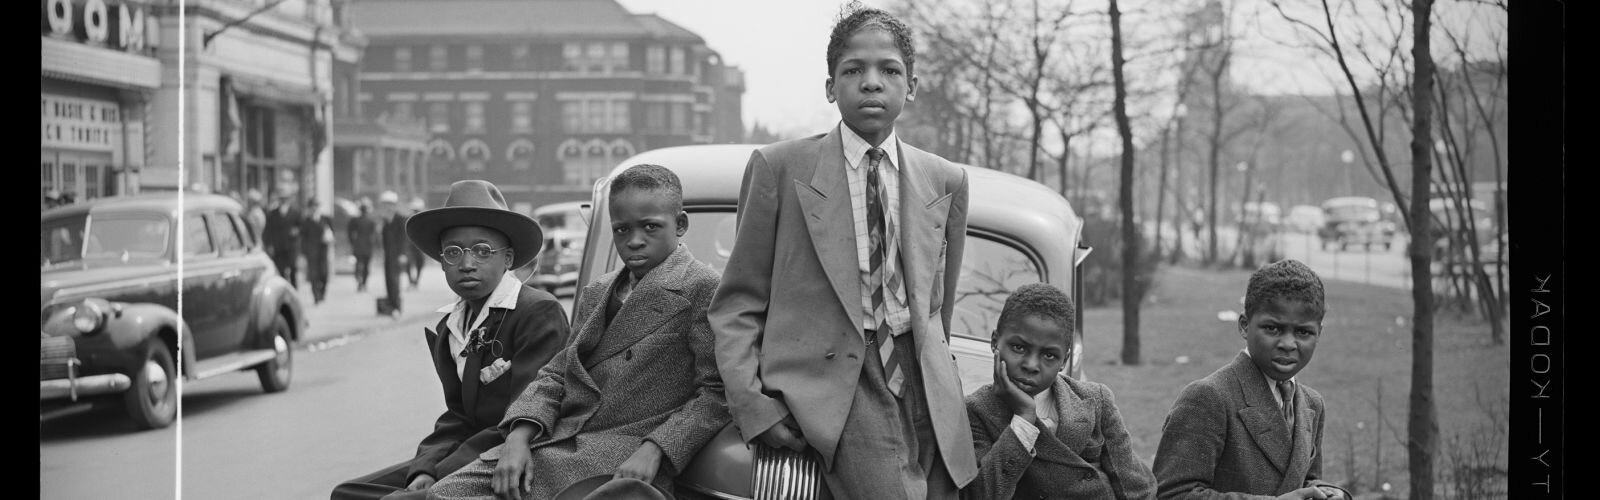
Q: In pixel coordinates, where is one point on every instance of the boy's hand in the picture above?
(1304, 493)
(421, 482)
(513, 474)
(1332, 493)
(1020, 403)
(784, 434)
(643, 464)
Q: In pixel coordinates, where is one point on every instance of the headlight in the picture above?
(88, 317)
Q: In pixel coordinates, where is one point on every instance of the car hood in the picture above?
(52, 281)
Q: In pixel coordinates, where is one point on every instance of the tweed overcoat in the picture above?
(1226, 438)
(650, 375)
(1088, 456)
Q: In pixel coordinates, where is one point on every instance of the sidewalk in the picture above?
(346, 315)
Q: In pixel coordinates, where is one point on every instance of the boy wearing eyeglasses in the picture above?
(636, 393)
(491, 343)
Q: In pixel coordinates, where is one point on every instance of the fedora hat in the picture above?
(476, 203)
(603, 487)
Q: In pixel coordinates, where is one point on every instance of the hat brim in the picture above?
(526, 238)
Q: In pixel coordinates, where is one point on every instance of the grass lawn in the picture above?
(1365, 347)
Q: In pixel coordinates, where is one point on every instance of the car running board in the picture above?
(229, 363)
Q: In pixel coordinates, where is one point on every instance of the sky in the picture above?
(780, 45)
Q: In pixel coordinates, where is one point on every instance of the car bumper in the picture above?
(79, 387)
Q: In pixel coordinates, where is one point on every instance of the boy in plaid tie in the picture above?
(833, 315)
(1250, 429)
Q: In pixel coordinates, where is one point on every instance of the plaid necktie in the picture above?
(1286, 389)
(881, 276)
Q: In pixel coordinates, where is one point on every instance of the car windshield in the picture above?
(117, 238)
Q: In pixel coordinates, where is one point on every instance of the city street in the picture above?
(361, 399)
(1377, 266)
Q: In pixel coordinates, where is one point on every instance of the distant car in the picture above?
(1447, 224)
(1355, 220)
(564, 225)
(109, 323)
(1304, 219)
(1261, 218)
(1018, 232)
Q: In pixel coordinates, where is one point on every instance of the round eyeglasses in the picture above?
(480, 252)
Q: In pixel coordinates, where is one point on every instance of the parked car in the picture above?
(1304, 219)
(109, 291)
(1447, 224)
(1355, 220)
(556, 269)
(1018, 232)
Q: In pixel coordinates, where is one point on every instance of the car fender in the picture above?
(271, 295)
(127, 326)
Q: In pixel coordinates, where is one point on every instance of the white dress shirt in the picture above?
(504, 296)
(1044, 406)
(856, 161)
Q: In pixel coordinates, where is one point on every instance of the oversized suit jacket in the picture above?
(649, 375)
(1226, 438)
(1088, 456)
(529, 336)
(788, 314)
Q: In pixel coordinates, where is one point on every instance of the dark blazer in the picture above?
(311, 228)
(649, 375)
(529, 335)
(1226, 438)
(363, 231)
(793, 284)
(1088, 456)
(282, 232)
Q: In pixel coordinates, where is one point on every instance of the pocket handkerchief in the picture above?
(489, 373)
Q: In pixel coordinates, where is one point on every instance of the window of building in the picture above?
(595, 116)
(621, 116)
(700, 124)
(474, 116)
(655, 59)
(677, 61)
(438, 58)
(680, 117)
(595, 58)
(475, 154)
(402, 111)
(521, 154)
(521, 57)
(402, 59)
(439, 116)
(655, 116)
(572, 116)
(474, 57)
(522, 116)
(619, 56)
(572, 57)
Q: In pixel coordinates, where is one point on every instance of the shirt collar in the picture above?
(855, 148)
(504, 296)
(1271, 384)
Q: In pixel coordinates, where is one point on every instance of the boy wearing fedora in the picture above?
(491, 343)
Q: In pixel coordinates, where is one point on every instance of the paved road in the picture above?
(362, 396)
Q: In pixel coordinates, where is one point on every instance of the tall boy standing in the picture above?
(1250, 430)
(491, 343)
(833, 315)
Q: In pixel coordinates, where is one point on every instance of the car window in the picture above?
(242, 228)
(195, 239)
(228, 240)
(990, 270)
(126, 237)
(61, 241)
(710, 236)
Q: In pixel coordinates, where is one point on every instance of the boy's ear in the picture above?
(911, 88)
(1244, 322)
(683, 222)
(827, 88)
(994, 341)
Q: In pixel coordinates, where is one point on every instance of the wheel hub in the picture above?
(158, 381)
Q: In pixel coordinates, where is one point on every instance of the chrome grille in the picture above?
(783, 474)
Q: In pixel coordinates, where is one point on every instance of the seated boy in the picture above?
(1038, 432)
(636, 393)
(1250, 430)
(491, 342)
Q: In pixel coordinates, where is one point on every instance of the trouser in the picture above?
(388, 482)
(887, 449)
(288, 266)
(317, 272)
(414, 264)
(391, 280)
(363, 268)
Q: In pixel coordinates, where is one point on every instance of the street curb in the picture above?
(326, 342)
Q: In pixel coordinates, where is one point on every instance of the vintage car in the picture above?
(1355, 220)
(1304, 219)
(1018, 232)
(564, 225)
(109, 276)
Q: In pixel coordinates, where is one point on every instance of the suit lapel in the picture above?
(1261, 415)
(474, 361)
(923, 212)
(831, 222)
(1300, 459)
(1074, 426)
(444, 360)
(649, 306)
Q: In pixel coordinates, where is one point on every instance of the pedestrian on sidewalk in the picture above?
(363, 233)
(283, 238)
(414, 259)
(255, 212)
(514, 331)
(316, 243)
(394, 249)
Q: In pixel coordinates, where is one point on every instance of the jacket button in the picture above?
(829, 356)
(628, 356)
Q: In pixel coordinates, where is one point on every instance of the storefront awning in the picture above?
(251, 88)
(83, 63)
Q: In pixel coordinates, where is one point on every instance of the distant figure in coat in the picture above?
(414, 258)
(363, 233)
(394, 248)
(283, 239)
(316, 241)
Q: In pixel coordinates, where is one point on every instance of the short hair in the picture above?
(651, 178)
(1038, 299)
(853, 18)
(1285, 279)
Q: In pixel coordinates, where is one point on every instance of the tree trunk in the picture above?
(1216, 149)
(1131, 291)
(1422, 422)
(1161, 192)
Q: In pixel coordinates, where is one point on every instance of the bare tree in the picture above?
(1130, 233)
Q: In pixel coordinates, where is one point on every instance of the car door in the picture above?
(202, 285)
(238, 276)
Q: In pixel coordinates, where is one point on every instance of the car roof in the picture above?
(998, 201)
(163, 202)
(565, 206)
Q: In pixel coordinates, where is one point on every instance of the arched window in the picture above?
(621, 149)
(521, 154)
(440, 149)
(475, 154)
